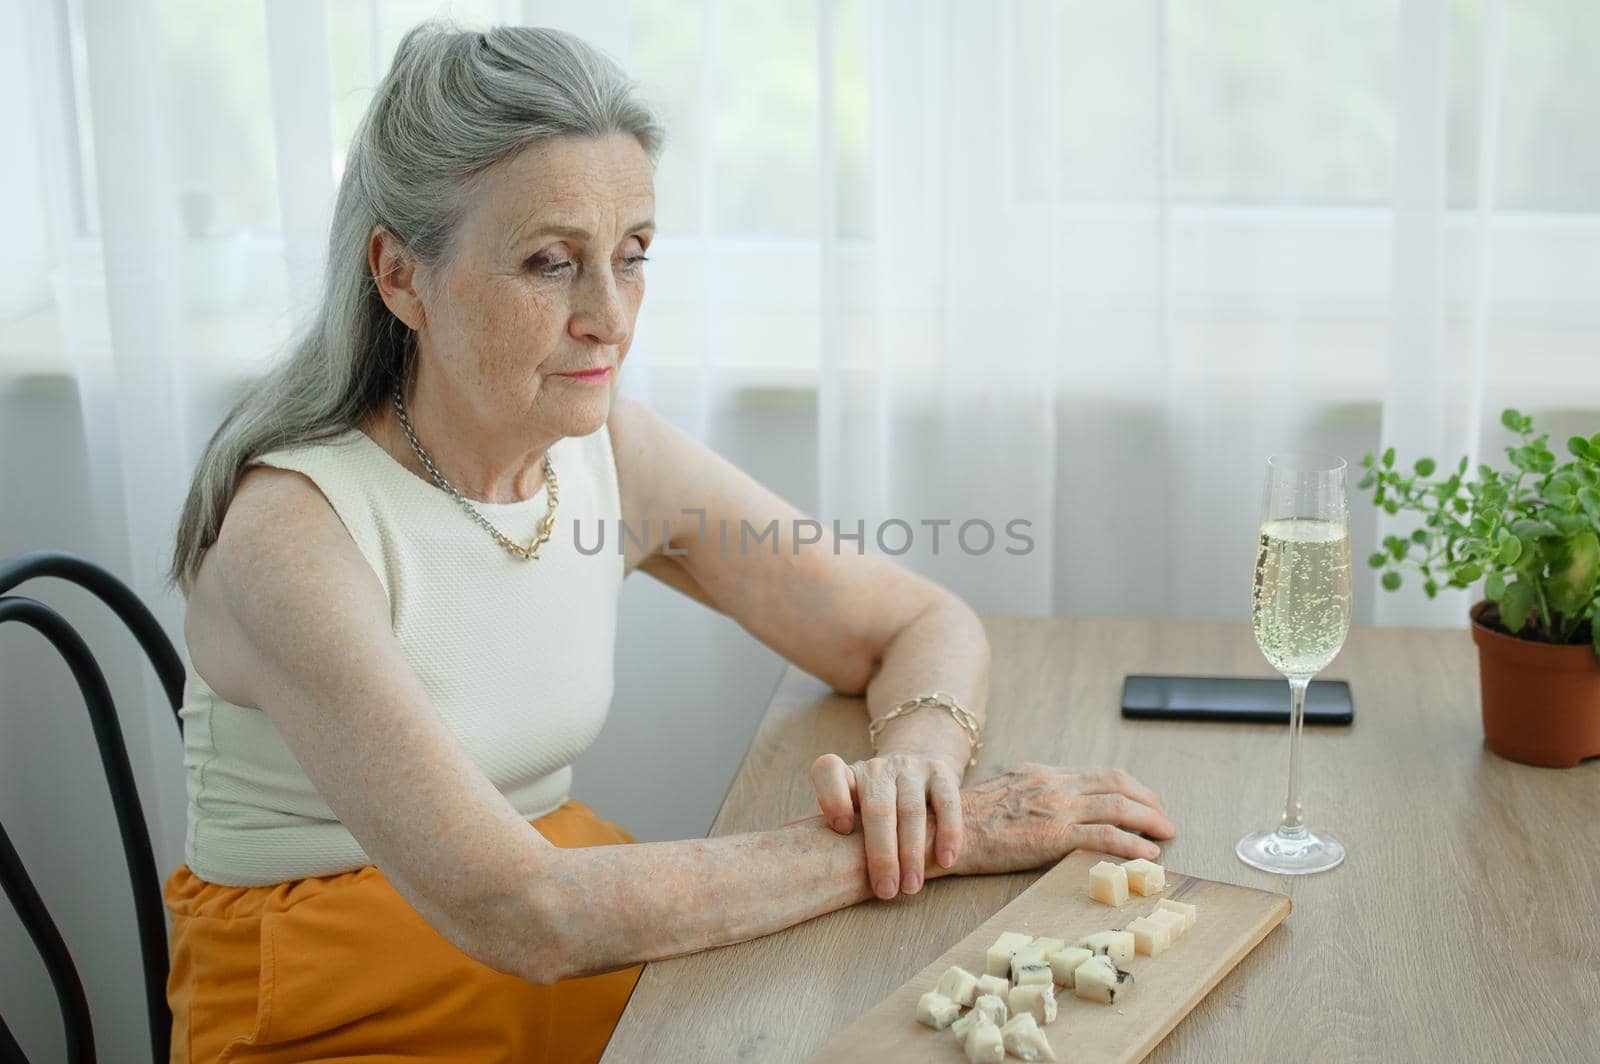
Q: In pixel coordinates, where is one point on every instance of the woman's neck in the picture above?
(467, 460)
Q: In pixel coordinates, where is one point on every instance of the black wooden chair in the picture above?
(136, 847)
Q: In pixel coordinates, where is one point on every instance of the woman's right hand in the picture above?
(1034, 814)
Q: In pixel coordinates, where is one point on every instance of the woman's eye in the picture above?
(552, 269)
(634, 262)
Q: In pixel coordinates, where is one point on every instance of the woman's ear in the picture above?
(394, 270)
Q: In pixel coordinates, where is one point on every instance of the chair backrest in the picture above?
(135, 834)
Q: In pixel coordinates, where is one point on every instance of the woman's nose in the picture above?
(602, 315)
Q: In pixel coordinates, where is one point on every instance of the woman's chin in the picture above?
(580, 417)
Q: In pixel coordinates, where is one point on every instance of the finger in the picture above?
(875, 785)
(1116, 781)
(1122, 811)
(1112, 782)
(945, 797)
(1108, 839)
(835, 786)
(911, 805)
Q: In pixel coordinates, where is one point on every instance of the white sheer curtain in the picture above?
(1076, 264)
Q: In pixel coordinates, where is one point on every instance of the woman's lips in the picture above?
(596, 375)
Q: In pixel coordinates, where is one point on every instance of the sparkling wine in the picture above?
(1301, 602)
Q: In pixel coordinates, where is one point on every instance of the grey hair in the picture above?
(453, 103)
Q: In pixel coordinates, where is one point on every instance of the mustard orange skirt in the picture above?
(342, 967)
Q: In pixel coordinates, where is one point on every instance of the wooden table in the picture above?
(1463, 925)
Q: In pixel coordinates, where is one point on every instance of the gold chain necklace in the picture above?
(547, 523)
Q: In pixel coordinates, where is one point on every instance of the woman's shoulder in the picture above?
(281, 552)
(275, 508)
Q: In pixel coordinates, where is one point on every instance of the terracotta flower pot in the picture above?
(1541, 701)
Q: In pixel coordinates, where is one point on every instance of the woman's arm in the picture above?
(847, 615)
(606, 907)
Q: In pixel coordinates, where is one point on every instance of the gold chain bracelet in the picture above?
(937, 698)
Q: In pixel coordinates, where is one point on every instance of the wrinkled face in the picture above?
(546, 279)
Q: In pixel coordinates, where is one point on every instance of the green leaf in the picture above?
(1527, 528)
(1366, 460)
(1391, 581)
(1366, 482)
(1431, 588)
(1378, 560)
(1589, 499)
(1391, 507)
(1468, 573)
(1515, 605)
(1494, 586)
(1510, 418)
(1421, 538)
(1570, 524)
(1425, 467)
(1388, 458)
(1574, 572)
(1461, 467)
(1578, 446)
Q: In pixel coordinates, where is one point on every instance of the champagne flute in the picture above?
(1300, 608)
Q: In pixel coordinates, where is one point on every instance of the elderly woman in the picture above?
(399, 644)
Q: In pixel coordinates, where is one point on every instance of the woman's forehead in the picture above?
(589, 183)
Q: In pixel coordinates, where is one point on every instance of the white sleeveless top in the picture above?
(516, 655)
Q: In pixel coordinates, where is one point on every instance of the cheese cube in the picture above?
(993, 1007)
(1028, 958)
(1097, 979)
(1174, 922)
(960, 1027)
(1064, 961)
(1118, 945)
(1150, 938)
(1145, 877)
(984, 1044)
(1047, 945)
(993, 984)
(998, 960)
(1037, 998)
(1039, 972)
(936, 1010)
(1024, 1040)
(959, 985)
(1183, 909)
(1108, 883)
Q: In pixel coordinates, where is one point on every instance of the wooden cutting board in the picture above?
(1230, 921)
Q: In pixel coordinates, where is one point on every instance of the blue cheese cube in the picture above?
(936, 1010)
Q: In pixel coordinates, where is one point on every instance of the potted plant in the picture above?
(1532, 535)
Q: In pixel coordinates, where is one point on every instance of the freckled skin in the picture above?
(286, 616)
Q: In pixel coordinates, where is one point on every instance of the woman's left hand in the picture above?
(895, 794)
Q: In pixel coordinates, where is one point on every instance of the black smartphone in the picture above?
(1235, 698)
